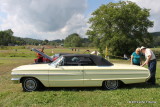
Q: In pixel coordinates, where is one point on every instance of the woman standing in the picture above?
(136, 57)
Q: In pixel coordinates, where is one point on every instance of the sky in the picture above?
(56, 19)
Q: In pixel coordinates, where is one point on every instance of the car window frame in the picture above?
(76, 63)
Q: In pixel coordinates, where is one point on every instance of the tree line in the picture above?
(7, 39)
(72, 40)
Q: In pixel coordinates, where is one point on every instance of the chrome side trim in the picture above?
(114, 69)
(114, 79)
(68, 80)
(15, 80)
(85, 74)
(47, 74)
(97, 79)
(66, 74)
(116, 74)
(29, 74)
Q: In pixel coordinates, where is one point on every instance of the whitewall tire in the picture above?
(30, 84)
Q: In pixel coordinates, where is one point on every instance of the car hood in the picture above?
(32, 67)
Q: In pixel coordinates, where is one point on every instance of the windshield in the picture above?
(54, 63)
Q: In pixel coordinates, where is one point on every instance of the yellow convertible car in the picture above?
(78, 70)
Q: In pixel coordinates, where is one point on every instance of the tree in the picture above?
(73, 40)
(45, 42)
(6, 37)
(121, 27)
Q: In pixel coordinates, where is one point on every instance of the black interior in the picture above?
(77, 61)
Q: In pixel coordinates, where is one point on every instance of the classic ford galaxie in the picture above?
(78, 70)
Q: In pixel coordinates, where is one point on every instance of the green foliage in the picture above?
(156, 39)
(156, 52)
(121, 27)
(87, 43)
(11, 47)
(73, 40)
(7, 38)
(155, 33)
(30, 41)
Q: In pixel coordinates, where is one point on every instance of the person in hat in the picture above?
(151, 62)
(136, 57)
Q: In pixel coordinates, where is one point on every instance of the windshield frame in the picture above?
(57, 61)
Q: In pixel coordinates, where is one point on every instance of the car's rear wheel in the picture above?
(30, 84)
(111, 84)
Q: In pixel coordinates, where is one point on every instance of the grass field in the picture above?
(11, 95)
(29, 53)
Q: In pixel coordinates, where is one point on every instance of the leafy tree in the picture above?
(73, 40)
(45, 42)
(6, 38)
(121, 27)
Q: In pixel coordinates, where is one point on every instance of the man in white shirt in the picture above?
(151, 62)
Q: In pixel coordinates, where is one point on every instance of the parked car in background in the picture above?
(78, 70)
(46, 58)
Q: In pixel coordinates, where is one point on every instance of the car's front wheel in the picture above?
(110, 84)
(30, 84)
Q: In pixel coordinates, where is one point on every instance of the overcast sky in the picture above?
(56, 19)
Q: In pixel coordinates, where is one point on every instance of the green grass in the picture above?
(11, 95)
(29, 53)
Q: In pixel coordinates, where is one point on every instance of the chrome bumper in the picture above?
(16, 80)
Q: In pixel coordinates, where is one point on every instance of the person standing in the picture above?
(136, 57)
(151, 62)
(39, 56)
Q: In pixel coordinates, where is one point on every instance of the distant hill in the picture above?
(155, 33)
(7, 39)
(156, 39)
(31, 41)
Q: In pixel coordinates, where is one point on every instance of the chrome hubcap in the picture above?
(111, 84)
(30, 84)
